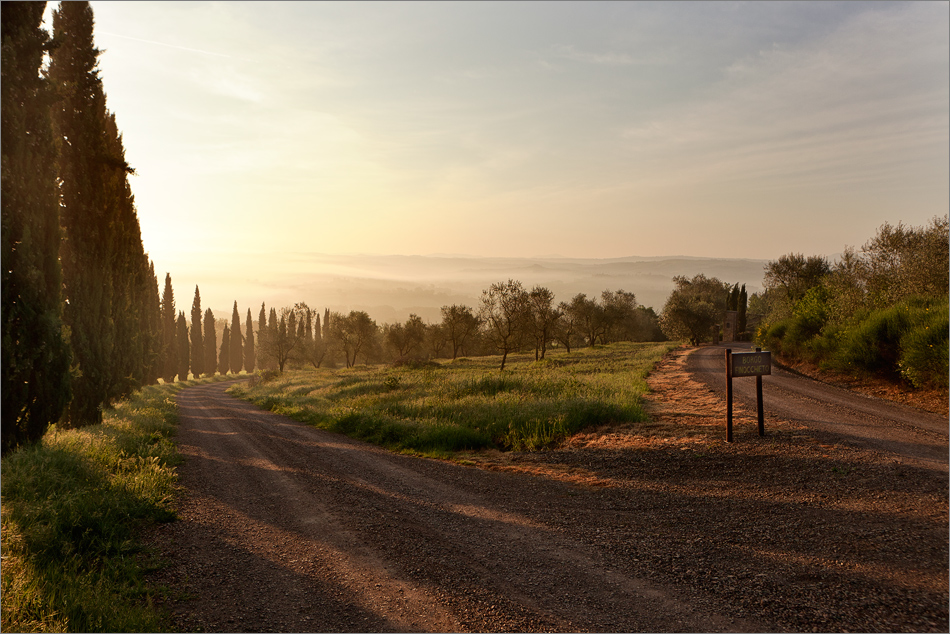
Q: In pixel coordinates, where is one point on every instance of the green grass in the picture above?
(72, 508)
(468, 404)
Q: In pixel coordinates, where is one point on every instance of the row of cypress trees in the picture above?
(81, 312)
(194, 348)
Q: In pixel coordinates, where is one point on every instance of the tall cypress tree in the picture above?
(210, 345)
(742, 317)
(183, 347)
(128, 267)
(249, 360)
(169, 345)
(197, 349)
(152, 325)
(236, 357)
(224, 356)
(87, 252)
(271, 335)
(36, 358)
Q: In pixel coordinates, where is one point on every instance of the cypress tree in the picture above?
(197, 349)
(236, 355)
(249, 360)
(224, 356)
(741, 318)
(152, 324)
(183, 347)
(210, 345)
(291, 324)
(128, 267)
(326, 324)
(87, 251)
(316, 327)
(271, 335)
(36, 358)
(169, 345)
(308, 331)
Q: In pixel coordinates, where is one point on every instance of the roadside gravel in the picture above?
(287, 528)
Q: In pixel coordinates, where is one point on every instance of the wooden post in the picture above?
(758, 400)
(728, 394)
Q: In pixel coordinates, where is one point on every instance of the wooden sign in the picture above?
(746, 364)
(751, 363)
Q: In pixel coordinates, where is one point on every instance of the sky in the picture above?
(586, 130)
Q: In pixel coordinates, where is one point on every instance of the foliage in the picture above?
(236, 354)
(197, 345)
(224, 354)
(250, 355)
(210, 343)
(72, 506)
(169, 332)
(694, 308)
(879, 311)
(460, 324)
(505, 313)
(184, 351)
(36, 358)
(456, 405)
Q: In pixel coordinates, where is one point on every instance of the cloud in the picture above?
(852, 106)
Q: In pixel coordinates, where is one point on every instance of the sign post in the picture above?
(742, 364)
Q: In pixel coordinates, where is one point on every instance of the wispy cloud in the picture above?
(165, 44)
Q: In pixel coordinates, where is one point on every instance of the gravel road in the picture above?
(289, 528)
(283, 527)
(920, 438)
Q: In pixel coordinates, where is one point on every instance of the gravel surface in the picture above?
(287, 528)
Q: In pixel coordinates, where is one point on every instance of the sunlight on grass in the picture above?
(72, 508)
(468, 404)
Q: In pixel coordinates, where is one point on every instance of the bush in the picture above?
(874, 345)
(924, 348)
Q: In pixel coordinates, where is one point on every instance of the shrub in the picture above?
(924, 348)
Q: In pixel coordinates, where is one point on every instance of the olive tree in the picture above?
(694, 307)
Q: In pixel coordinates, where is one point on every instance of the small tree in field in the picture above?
(352, 333)
(505, 313)
(459, 324)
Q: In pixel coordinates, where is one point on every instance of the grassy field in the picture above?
(72, 508)
(438, 408)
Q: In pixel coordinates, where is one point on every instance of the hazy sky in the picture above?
(518, 129)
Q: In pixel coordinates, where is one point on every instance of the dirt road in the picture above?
(918, 437)
(287, 528)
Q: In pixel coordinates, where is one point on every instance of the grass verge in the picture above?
(72, 507)
(467, 404)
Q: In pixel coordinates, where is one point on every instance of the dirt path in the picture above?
(287, 528)
(659, 527)
(917, 437)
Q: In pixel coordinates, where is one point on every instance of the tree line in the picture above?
(509, 319)
(80, 306)
(881, 309)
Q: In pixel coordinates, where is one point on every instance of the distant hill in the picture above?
(390, 287)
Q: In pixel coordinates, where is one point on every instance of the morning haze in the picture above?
(593, 130)
(391, 287)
